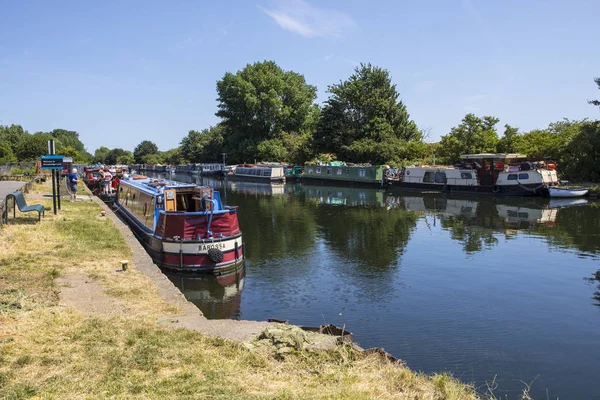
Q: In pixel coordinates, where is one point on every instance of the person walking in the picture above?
(73, 184)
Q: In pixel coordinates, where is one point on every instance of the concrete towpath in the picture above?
(7, 187)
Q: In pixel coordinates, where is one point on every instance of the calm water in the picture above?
(503, 288)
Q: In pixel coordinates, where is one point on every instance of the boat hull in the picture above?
(499, 190)
(188, 255)
(567, 193)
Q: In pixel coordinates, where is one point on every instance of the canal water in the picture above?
(493, 290)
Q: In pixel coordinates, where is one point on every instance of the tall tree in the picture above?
(12, 135)
(145, 148)
(68, 138)
(364, 119)
(33, 146)
(114, 155)
(473, 135)
(596, 102)
(259, 103)
(100, 155)
(509, 141)
(203, 146)
(6, 154)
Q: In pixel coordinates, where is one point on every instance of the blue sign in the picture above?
(52, 162)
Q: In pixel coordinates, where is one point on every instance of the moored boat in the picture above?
(211, 169)
(338, 172)
(258, 172)
(492, 174)
(567, 192)
(182, 226)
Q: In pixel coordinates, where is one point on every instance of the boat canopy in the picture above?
(499, 156)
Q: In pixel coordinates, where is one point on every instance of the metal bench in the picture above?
(19, 201)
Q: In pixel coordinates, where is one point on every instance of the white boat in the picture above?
(567, 192)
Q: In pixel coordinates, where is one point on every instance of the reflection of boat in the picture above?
(567, 192)
(560, 203)
(183, 226)
(351, 196)
(491, 174)
(218, 297)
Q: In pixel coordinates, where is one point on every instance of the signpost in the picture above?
(53, 163)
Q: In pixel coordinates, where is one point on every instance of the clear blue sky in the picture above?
(120, 72)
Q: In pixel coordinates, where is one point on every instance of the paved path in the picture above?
(7, 187)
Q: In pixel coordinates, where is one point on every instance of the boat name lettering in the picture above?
(204, 247)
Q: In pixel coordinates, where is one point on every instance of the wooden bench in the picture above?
(19, 201)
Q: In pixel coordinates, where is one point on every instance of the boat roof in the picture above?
(156, 185)
(503, 156)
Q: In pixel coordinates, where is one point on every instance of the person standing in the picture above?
(73, 184)
(107, 181)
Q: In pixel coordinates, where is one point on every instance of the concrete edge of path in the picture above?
(191, 317)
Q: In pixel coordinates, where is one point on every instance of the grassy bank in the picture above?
(52, 350)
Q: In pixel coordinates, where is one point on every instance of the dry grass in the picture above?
(56, 352)
(65, 355)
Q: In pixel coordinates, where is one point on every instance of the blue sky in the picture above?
(125, 71)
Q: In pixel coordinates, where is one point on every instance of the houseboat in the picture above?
(182, 226)
(258, 172)
(342, 173)
(183, 169)
(211, 169)
(293, 173)
(486, 174)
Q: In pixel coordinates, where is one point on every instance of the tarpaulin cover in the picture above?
(190, 226)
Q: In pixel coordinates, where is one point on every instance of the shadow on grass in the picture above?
(22, 221)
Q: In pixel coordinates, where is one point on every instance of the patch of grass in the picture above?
(136, 357)
(57, 352)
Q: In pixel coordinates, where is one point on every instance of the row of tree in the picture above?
(16, 144)
(269, 114)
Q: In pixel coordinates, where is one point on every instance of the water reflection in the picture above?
(218, 297)
(476, 286)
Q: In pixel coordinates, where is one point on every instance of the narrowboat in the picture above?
(342, 173)
(293, 173)
(258, 172)
(485, 174)
(211, 169)
(182, 226)
(195, 169)
(183, 169)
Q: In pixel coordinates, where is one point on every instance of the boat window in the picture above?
(361, 172)
(328, 171)
(466, 175)
(512, 177)
(310, 170)
(440, 177)
(347, 171)
(524, 176)
(339, 171)
(318, 170)
(267, 172)
(428, 177)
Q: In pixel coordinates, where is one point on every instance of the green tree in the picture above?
(364, 119)
(579, 157)
(125, 158)
(100, 155)
(31, 147)
(173, 156)
(596, 102)
(12, 135)
(6, 154)
(261, 103)
(509, 141)
(113, 156)
(473, 135)
(67, 138)
(144, 149)
(70, 151)
(203, 146)
(152, 159)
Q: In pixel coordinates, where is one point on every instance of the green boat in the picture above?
(339, 172)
